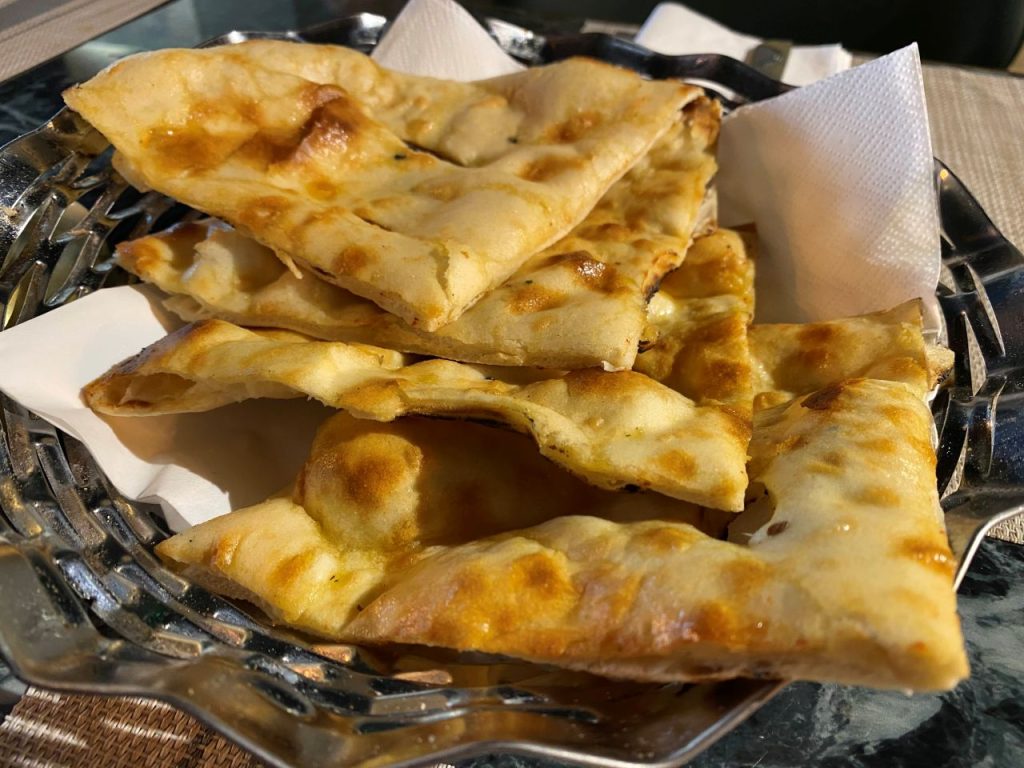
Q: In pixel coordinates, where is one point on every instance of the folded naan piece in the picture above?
(469, 123)
(309, 171)
(697, 323)
(579, 303)
(615, 429)
(374, 498)
(794, 359)
(849, 580)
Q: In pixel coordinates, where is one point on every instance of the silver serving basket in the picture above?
(87, 607)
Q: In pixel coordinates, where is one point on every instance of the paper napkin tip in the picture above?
(440, 38)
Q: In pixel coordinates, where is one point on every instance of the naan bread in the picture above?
(697, 323)
(791, 360)
(374, 498)
(308, 170)
(615, 429)
(850, 580)
(469, 123)
(465, 122)
(423, 196)
(580, 303)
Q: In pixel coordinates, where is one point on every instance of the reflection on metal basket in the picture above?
(89, 608)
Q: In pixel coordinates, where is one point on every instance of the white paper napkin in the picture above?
(836, 176)
(440, 38)
(675, 29)
(196, 466)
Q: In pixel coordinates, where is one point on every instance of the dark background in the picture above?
(984, 33)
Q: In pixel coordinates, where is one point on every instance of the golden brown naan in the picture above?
(615, 429)
(791, 360)
(850, 579)
(697, 323)
(470, 123)
(310, 171)
(423, 196)
(386, 495)
(580, 303)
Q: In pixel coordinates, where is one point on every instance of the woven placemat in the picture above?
(977, 121)
(52, 730)
(34, 31)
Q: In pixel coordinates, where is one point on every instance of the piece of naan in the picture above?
(579, 303)
(794, 359)
(308, 170)
(697, 323)
(373, 498)
(848, 580)
(615, 429)
(469, 123)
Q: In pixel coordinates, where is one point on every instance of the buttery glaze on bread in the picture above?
(310, 171)
(616, 429)
(579, 303)
(489, 217)
(848, 580)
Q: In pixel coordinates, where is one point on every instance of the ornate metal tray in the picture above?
(87, 607)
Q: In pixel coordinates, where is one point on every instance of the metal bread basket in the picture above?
(87, 607)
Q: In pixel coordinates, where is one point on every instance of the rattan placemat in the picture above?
(33, 31)
(54, 730)
(977, 122)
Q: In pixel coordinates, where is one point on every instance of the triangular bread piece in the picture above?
(374, 498)
(579, 303)
(306, 168)
(697, 323)
(616, 429)
(469, 123)
(849, 580)
(795, 359)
